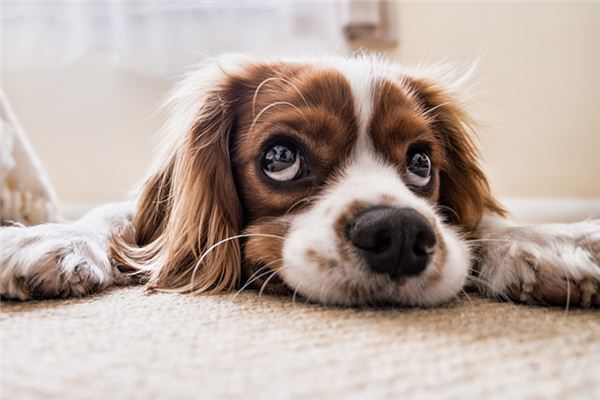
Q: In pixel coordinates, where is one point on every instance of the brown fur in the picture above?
(188, 206)
(353, 209)
(263, 254)
(191, 204)
(321, 118)
(464, 190)
(398, 122)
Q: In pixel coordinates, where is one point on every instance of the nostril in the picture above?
(424, 244)
(373, 241)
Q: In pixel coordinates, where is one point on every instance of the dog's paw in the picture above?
(551, 264)
(53, 260)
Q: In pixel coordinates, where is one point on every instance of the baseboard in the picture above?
(522, 209)
(548, 209)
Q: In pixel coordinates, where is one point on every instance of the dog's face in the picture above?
(341, 180)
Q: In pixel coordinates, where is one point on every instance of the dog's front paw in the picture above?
(52, 260)
(552, 264)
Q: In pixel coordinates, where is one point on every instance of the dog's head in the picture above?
(346, 181)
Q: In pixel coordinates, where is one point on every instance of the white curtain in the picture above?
(160, 38)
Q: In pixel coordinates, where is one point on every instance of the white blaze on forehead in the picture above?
(360, 77)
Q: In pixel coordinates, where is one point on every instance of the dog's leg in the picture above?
(549, 264)
(61, 260)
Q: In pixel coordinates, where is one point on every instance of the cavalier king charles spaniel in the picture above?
(346, 181)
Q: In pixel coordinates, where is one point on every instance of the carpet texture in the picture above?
(126, 344)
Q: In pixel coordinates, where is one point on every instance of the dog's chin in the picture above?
(377, 290)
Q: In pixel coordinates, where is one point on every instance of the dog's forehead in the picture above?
(351, 89)
(336, 110)
(386, 105)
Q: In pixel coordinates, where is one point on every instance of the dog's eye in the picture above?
(282, 163)
(418, 169)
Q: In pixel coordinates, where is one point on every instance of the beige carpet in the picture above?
(125, 344)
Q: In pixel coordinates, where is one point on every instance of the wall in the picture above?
(91, 125)
(539, 92)
(539, 99)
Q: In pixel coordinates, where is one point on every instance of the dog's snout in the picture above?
(394, 241)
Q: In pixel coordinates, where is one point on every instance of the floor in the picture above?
(126, 344)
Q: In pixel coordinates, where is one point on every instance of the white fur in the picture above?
(60, 260)
(521, 260)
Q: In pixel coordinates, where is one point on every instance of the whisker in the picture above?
(253, 277)
(294, 295)
(494, 291)
(256, 275)
(464, 292)
(264, 285)
(257, 91)
(277, 103)
(220, 242)
(303, 200)
(492, 240)
(568, 303)
(567, 273)
(442, 207)
(274, 78)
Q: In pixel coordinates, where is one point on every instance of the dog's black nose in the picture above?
(394, 241)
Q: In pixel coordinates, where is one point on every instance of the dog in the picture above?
(346, 181)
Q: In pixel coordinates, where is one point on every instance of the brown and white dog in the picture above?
(347, 181)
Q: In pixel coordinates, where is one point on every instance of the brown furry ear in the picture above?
(464, 188)
(189, 210)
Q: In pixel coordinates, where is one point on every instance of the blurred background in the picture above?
(86, 78)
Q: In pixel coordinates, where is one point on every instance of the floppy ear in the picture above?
(464, 188)
(189, 209)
